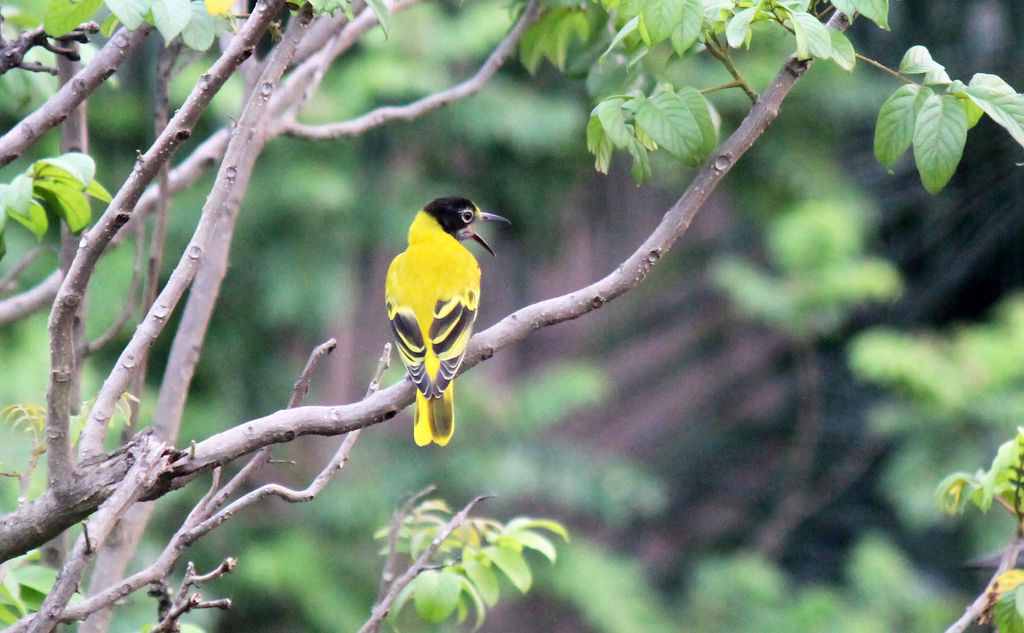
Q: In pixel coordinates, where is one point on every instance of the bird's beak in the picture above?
(487, 217)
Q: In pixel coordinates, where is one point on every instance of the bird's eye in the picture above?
(467, 216)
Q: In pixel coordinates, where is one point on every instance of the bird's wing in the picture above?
(449, 333)
(411, 347)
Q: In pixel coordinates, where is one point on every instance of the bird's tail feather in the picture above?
(435, 418)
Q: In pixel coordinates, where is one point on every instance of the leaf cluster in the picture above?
(935, 115)
(1000, 483)
(469, 560)
(56, 185)
(625, 45)
(195, 21)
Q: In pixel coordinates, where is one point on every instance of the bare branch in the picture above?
(31, 301)
(302, 384)
(201, 519)
(103, 64)
(12, 53)
(120, 210)
(185, 602)
(415, 109)
(213, 236)
(383, 606)
(150, 459)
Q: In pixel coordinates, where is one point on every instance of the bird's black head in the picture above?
(453, 214)
(456, 216)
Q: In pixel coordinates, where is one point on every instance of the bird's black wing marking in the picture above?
(411, 346)
(449, 333)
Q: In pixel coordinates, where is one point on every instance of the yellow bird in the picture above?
(432, 292)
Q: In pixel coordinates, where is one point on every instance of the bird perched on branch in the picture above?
(432, 292)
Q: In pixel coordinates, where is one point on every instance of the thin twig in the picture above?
(883, 67)
(383, 606)
(721, 53)
(263, 455)
(390, 564)
(417, 108)
(302, 384)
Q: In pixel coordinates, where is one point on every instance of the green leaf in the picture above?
(609, 112)
(627, 29)
(171, 17)
(17, 196)
(436, 594)
(738, 28)
(701, 111)
(812, 37)
(76, 165)
(383, 14)
(918, 60)
(512, 563)
(599, 145)
(201, 29)
(939, 136)
(551, 37)
(34, 219)
(478, 603)
(1000, 102)
(641, 167)
(62, 16)
(875, 10)
(688, 32)
(671, 124)
(894, 130)
(662, 18)
(131, 13)
(37, 577)
(1006, 615)
(846, 7)
(536, 542)
(96, 190)
(842, 53)
(483, 577)
(67, 202)
(520, 523)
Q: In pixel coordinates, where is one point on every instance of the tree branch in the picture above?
(201, 520)
(417, 108)
(149, 461)
(59, 106)
(31, 301)
(12, 53)
(120, 210)
(215, 230)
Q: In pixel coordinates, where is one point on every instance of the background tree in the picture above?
(696, 457)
